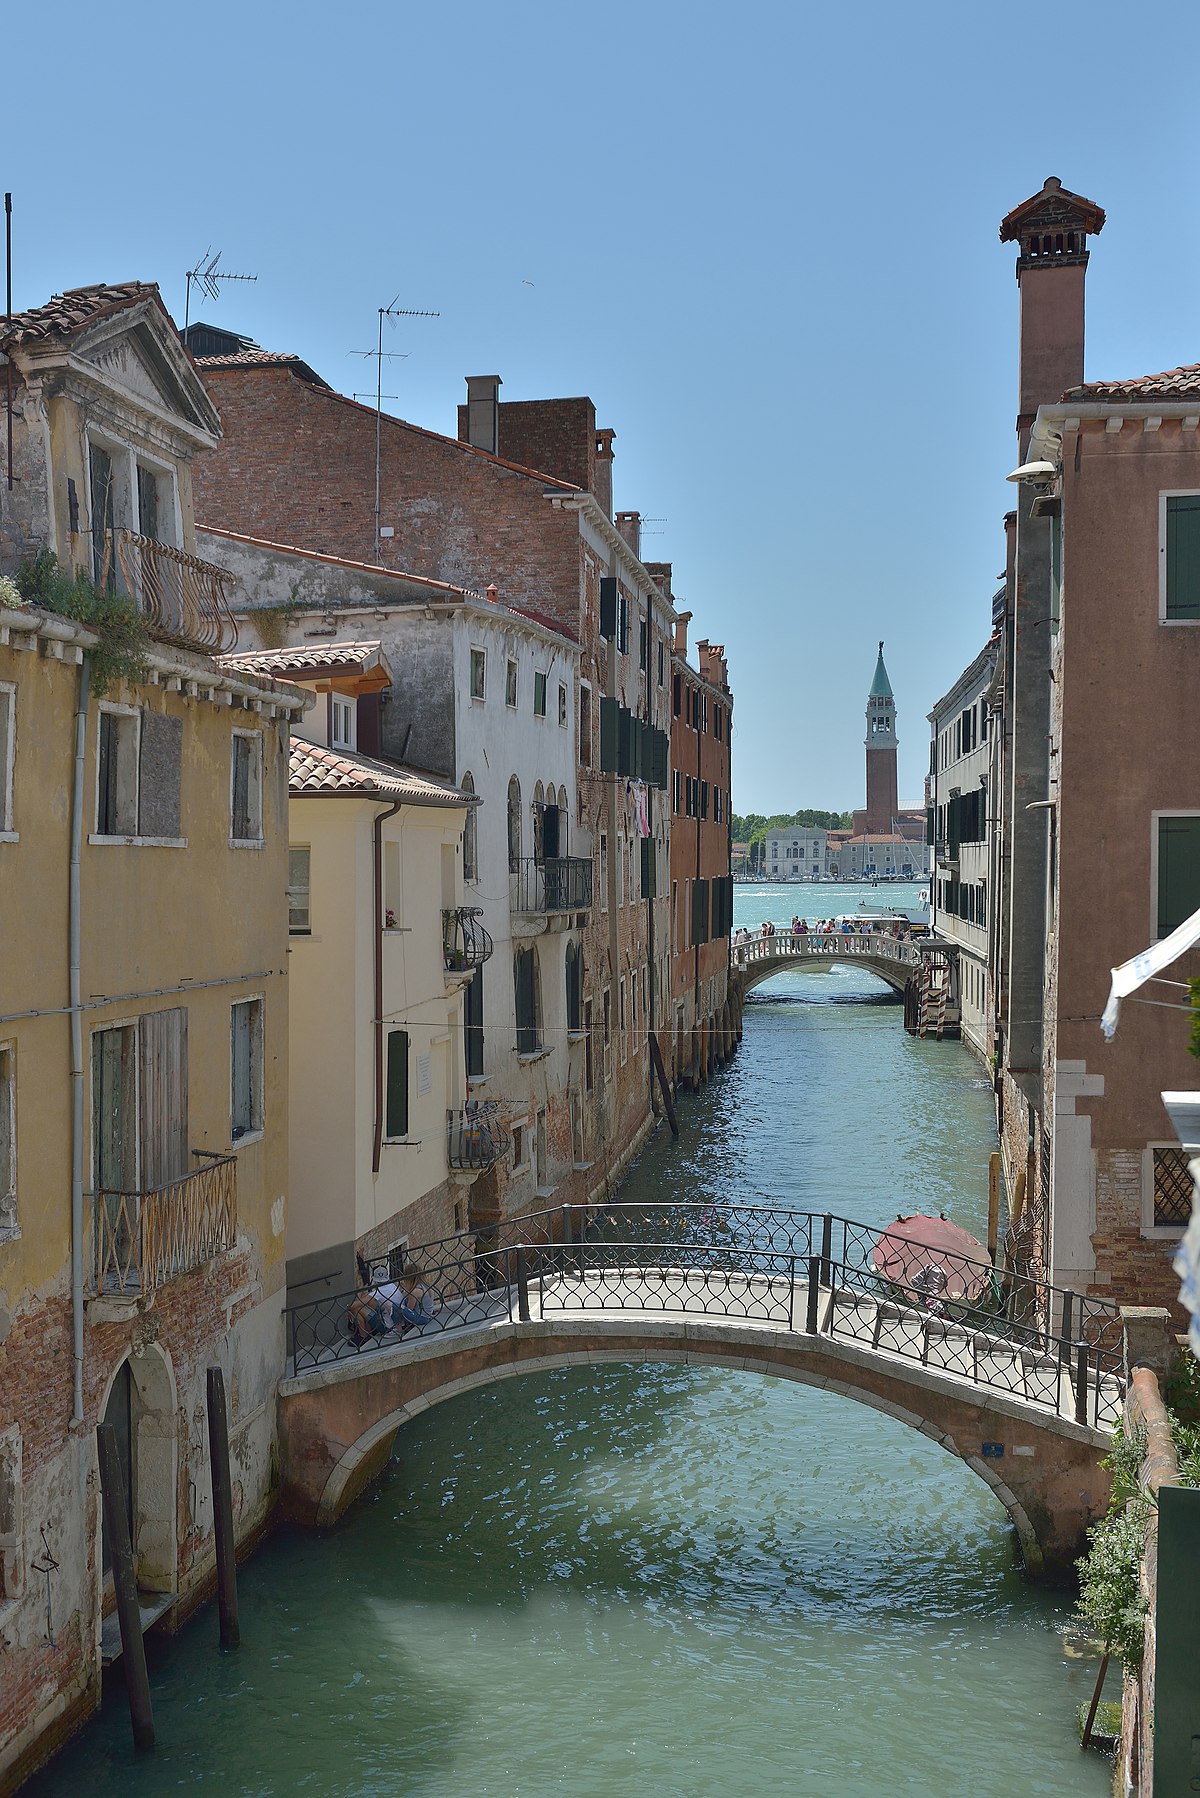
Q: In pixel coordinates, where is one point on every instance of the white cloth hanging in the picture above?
(1131, 974)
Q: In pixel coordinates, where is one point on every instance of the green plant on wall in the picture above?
(123, 640)
(1194, 1002)
(274, 622)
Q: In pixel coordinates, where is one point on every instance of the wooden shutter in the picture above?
(649, 869)
(608, 606)
(159, 774)
(147, 503)
(1183, 556)
(610, 731)
(473, 1022)
(113, 1088)
(699, 911)
(241, 1024)
(396, 1109)
(526, 1020)
(241, 788)
(1178, 871)
(162, 1049)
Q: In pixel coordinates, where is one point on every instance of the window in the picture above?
(574, 969)
(470, 833)
(473, 1024)
(514, 825)
(8, 744)
(539, 695)
(510, 685)
(603, 870)
(1179, 555)
(395, 1116)
(1178, 870)
(246, 1095)
(525, 983)
(341, 722)
(676, 694)
(585, 727)
(644, 645)
(8, 1140)
(1171, 1189)
(717, 811)
(622, 624)
(147, 489)
(478, 674)
(677, 793)
(298, 892)
(562, 705)
(518, 1143)
(139, 758)
(588, 1075)
(621, 1016)
(661, 662)
(103, 519)
(246, 787)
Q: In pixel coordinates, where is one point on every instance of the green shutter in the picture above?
(610, 753)
(1183, 556)
(649, 869)
(397, 1084)
(699, 911)
(1178, 871)
(608, 606)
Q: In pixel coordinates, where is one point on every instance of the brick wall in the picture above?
(296, 465)
(555, 437)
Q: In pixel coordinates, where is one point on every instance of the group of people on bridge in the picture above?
(896, 928)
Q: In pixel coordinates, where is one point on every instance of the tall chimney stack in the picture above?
(602, 479)
(483, 412)
(1051, 231)
(629, 525)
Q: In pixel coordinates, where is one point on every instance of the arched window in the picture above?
(514, 825)
(562, 821)
(528, 1001)
(470, 840)
(574, 981)
(539, 821)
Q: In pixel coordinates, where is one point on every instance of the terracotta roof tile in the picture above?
(288, 664)
(1173, 384)
(321, 773)
(64, 316)
(257, 358)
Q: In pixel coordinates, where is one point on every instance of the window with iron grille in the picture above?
(246, 787)
(1172, 1189)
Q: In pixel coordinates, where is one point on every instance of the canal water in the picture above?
(665, 1582)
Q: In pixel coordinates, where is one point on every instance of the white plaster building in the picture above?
(795, 854)
(960, 799)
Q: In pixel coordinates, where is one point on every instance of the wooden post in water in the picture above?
(129, 1616)
(664, 1087)
(993, 1230)
(222, 1493)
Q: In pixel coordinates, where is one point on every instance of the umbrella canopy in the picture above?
(931, 1258)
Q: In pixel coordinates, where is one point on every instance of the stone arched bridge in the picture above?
(1020, 1382)
(922, 969)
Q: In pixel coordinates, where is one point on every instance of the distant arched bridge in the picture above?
(1020, 1381)
(922, 969)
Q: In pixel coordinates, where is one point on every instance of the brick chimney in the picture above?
(682, 620)
(629, 525)
(1051, 231)
(602, 478)
(483, 413)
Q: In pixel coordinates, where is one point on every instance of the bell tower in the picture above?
(882, 801)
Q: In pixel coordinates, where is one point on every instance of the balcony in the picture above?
(556, 884)
(946, 853)
(475, 1137)
(466, 945)
(181, 598)
(137, 1241)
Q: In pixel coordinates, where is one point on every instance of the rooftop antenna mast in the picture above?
(208, 276)
(393, 311)
(8, 327)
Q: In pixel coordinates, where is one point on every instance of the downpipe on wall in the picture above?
(377, 870)
(74, 908)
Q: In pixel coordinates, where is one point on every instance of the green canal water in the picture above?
(661, 1581)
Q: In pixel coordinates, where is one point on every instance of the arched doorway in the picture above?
(140, 1406)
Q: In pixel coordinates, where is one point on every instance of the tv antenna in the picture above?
(208, 276)
(381, 355)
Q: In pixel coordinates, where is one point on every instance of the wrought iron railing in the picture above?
(465, 942)
(808, 1272)
(180, 597)
(475, 1137)
(556, 883)
(137, 1241)
(818, 945)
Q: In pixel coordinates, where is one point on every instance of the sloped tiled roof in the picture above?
(257, 358)
(309, 658)
(318, 773)
(68, 313)
(1173, 384)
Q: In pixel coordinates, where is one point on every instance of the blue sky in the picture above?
(763, 239)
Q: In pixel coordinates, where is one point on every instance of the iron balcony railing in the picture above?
(475, 1137)
(556, 883)
(137, 1241)
(465, 942)
(804, 1272)
(180, 597)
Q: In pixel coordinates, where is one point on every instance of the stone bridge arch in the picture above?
(338, 1423)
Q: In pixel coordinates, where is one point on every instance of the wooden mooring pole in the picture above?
(1085, 1740)
(222, 1492)
(664, 1085)
(129, 1615)
(993, 1223)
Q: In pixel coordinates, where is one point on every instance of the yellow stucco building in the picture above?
(143, 1011)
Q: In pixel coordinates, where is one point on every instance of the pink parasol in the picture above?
(932, 1259)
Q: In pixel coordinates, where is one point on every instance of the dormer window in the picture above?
(341, 722)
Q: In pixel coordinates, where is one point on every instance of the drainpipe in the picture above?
(380, 819)
(73, 933)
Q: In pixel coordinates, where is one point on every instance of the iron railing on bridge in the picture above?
(806, 1272)
(811, 945)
